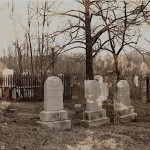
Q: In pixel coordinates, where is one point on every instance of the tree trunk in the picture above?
(116, 67)
(89, 59)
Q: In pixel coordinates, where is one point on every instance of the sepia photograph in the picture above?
(74, 74)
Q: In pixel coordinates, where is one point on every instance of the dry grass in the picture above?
(19, 131)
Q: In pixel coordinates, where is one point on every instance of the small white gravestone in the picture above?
(94, 114)
(53, 115)
(136, 79)
(123, 102)
(98, 78)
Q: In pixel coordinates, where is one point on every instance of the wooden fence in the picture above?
(28, 87)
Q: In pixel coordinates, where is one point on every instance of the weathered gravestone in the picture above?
(123, 103)
(103, 87)
(104, 91)
(94, 114)
(53, 115)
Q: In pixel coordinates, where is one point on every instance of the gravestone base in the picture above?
(127, 115)
(126, 111)
(55, 119)
(128, 118)
(46, 116)
(95, 118)
(60, 125)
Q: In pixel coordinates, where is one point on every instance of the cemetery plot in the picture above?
(19, 131)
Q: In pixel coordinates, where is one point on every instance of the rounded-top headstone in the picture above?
(53, 94)
(123, 94)
(98, 78)
(122, 83)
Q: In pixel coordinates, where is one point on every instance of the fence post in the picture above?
(147, 88)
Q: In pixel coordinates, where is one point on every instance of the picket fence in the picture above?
(28, 87)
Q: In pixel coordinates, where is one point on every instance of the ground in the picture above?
(19, 131)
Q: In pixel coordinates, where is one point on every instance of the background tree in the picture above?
(91, 21)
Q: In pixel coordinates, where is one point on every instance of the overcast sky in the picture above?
(7, 30)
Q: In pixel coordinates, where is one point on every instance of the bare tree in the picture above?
(121, 37)
(18, 51)
(86, 32)
(91, 35)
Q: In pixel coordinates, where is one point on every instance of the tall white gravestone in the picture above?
(94, 114)
(53, 115)
(123, 103)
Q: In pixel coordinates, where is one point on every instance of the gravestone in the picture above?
(123, 103)
(136, 79)
(94, 114)
(144, 92)
(103, 87)
(98, 78)
(1, 93)
(53, 115)
(103, 91)
(77, 93)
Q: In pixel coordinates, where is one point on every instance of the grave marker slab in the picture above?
(123, 103)
(94, 114)
(103, 87)
(77, 93)
(53, 115)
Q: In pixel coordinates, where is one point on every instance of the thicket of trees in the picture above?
(95, 26)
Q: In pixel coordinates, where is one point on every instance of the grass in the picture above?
(19, 131)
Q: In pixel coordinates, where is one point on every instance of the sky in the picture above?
(7, 34)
